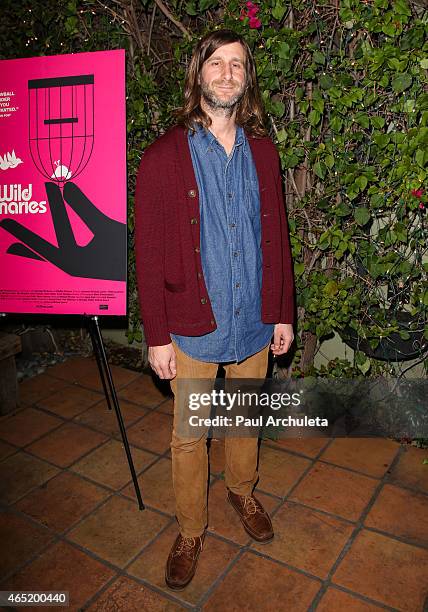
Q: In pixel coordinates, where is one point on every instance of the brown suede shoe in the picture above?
(253, 516)
(182, 561)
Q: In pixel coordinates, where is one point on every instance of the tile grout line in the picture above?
(358, 596)
(116, 436)
(149, 586)
(359, 526)
(247, 547)
(282, 500)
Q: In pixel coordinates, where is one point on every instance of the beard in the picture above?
(216, 103)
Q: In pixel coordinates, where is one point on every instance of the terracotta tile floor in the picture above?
(350, 515)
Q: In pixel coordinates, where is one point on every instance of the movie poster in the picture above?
(63, 213)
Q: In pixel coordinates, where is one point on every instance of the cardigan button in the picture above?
(203, 300)
(193, 221)
(192, 193)
(212, 322)
(267, 241)
(199, 274)
(197, 250)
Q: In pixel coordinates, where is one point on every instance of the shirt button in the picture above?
(230, 196)
(197, 250)
(237, 285)
(193, 221)
(237, 312)
(233, 225)
(236, 254)
(192, 193)
(203, 300)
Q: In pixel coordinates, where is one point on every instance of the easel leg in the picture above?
(97, 345)
(107, 380)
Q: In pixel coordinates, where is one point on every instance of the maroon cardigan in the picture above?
(172, 291)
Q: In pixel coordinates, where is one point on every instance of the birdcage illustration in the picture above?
(61, 125)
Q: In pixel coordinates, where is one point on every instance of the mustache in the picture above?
(226, 83)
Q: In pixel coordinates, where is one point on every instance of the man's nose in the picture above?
(227, 71)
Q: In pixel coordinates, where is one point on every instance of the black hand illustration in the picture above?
(104, 257)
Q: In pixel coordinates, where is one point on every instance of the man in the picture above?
(214, 270)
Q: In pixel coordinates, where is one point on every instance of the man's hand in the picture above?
(162, 360)
(283, 336)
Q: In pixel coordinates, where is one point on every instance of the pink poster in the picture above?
(63, 212)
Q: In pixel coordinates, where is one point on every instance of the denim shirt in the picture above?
(231, 253)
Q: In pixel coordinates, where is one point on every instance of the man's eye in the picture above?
(214, 63)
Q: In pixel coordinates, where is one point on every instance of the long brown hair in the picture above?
(249, 110)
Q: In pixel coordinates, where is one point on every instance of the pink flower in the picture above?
(254, 23)
(251, 12)
(421, 205)
(417, 193)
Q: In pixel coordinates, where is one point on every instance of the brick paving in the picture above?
(350, 515)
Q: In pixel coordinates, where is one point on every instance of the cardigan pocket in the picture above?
(175, 287)
(174, 273)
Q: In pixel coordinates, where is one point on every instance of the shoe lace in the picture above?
(186, 546)
(250, 505)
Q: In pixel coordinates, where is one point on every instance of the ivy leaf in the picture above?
(342, 210)
(329, 161)
(420, 156)
(331, 288)
(314, 117)
(352, 194)
(336, 124)
(206, 4)
(362, 120)
(362, 362)
(283, 50)
(190, 9)
(325, 81)
(401, 7)
(278, 11)
(401, 82)
(389, 29)
(377, 122)
(319, 169)
(377, 200)
(381, 139)
(361, 182)
(291, 160)
(424, 63)
(318, 57)
(278, 108)
(299, 268)
(281, 135)
(361, 215)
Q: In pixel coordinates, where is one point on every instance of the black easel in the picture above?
(110, 393)
(111, 396)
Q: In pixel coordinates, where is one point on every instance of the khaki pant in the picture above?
(189, 455)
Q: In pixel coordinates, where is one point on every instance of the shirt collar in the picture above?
(206, 139)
